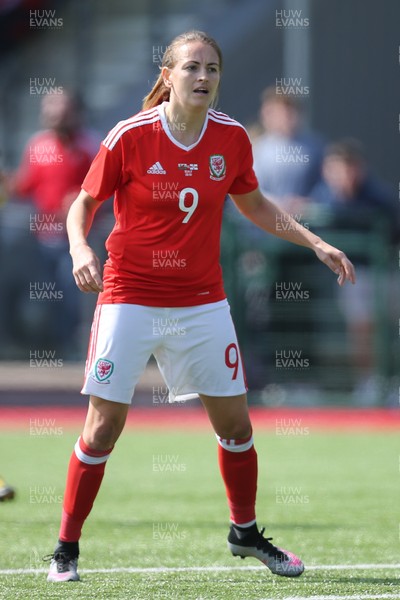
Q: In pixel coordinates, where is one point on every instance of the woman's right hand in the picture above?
(86, 269)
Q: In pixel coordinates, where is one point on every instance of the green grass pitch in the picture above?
(330, 497)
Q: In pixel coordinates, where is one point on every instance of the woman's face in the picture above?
(195, 77)
(59, 112)
(343, 177)
(279, 118)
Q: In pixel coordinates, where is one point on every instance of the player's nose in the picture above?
(203, 75)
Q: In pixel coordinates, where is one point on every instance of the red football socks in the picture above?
(238, 465)
(85, 473)
(237, 462)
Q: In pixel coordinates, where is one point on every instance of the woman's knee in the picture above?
(100, 435)
(104, 423)
(229, 416)
(236, 430)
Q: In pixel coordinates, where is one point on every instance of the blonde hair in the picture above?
(160, 92)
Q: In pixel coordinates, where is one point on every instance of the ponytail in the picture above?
(159, 92)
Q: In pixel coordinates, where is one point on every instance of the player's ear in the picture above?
(165, 74)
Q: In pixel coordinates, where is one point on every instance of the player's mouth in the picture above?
(201, 90)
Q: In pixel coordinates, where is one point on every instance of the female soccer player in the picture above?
(170, 168)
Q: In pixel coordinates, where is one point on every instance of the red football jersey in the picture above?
(51, 169)
(165, 245)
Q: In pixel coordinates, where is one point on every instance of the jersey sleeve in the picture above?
(105, 173)
(246, 180)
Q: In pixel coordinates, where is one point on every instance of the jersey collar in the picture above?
(163, 118)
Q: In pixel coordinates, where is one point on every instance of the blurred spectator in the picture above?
(287, 160)
(54, 164)
(347, 184)
(357, 201)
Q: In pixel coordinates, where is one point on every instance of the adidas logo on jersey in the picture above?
(156, 169)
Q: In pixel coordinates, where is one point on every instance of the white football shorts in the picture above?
(195, 347)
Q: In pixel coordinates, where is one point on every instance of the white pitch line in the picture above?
(212, 569)
(357, 597)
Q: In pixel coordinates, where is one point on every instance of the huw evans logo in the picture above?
(164, 190)
(44, 154)
(290, 427)
(291, 154)
(44, 85)
(289, 222)
(168, 463)
(158, 53)
(44, 19)
(291, 359)
(44, 495)
(291, 291)
(168, 532)
(290, 495)
(168, 259)
(42, 427)
(44, 290)
(44, 358)
(291, 86)
(45, 222)
(168, 326)
(161, 395)
(291, 19)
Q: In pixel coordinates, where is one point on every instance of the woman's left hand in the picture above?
(337, 261)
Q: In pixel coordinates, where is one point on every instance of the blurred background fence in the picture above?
(341, 56)
(293, 327)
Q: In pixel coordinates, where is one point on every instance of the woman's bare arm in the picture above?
(86, 265)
